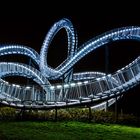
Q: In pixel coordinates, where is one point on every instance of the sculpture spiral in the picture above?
(94, 88)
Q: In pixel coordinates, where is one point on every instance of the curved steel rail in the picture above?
(22, 50)
(84, 88)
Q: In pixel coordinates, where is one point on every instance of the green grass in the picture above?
(28, 130)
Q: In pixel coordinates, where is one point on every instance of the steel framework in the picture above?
(96, 88)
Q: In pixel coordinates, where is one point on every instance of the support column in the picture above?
(55, 114)
(116, 109)
(106, 108)
(90, 113)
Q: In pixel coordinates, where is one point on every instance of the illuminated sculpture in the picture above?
(93, 88)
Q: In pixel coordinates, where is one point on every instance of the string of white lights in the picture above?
(82, 88)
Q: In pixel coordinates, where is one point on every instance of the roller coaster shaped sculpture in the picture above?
(87, 88)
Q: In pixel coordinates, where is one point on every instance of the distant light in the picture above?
(109, 75)
(59, 86)
(79, 83)
(98, 79)
(17, 85)
(85, 82)
(28, 87)
(72, 84)
(52, 87)
(103, 77)
(119, 71)
(66, 86)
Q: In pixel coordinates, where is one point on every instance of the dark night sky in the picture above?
(30, 30)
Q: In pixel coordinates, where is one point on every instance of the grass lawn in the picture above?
(29, 130)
